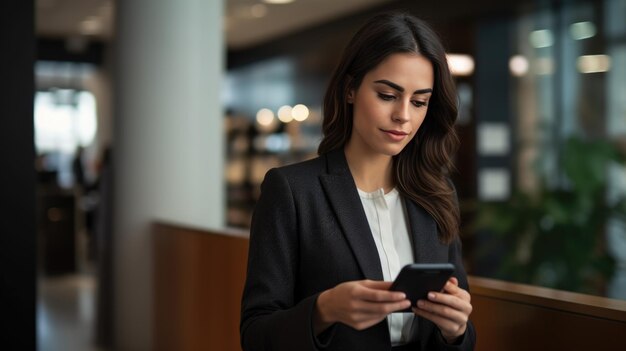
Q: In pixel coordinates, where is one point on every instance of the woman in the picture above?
(330, 234)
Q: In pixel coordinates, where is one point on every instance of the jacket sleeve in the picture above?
(468, 340)
(271, 319)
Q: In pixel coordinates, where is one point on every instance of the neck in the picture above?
(370, 171)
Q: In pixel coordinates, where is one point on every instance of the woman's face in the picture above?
(390, 104)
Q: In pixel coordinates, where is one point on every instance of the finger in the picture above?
(459, 302)
(454, 280)
(381, 296)
(451, 287)
(455, 290)
(441, 322)
(376, 284)
(377, 295)
(456, 315)
(445, 325)
(381, 309)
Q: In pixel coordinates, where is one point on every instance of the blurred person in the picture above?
(78, 170)
(328, 235)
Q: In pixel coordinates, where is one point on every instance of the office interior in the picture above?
(137, 135)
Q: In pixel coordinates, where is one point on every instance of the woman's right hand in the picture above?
(358, 304)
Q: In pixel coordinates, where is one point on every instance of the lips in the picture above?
(395, 135)
(395, 132)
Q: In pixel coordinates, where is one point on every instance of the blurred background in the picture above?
(174, 110)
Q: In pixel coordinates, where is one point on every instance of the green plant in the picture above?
(555, 236)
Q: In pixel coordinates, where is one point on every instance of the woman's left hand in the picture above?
(449, 310)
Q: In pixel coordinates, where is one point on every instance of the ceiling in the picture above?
(246, 22)
(74, 18)
(243, 27)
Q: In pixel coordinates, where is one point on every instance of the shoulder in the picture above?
(301, 171)
(295, 181)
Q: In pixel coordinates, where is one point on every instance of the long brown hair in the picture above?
(421, 168)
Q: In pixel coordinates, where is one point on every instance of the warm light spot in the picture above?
(258, 10)
(460, 64)
(265, 117)
(518, 65)
(91, 26)
(593, 63)
(300, 112)
(284, 114)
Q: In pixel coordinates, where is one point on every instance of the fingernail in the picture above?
(431, 296)
(420, 303)
(401, 296)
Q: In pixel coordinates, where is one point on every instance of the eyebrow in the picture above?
(401, 89)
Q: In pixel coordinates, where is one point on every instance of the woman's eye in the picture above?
(419, 103)
(386, 97)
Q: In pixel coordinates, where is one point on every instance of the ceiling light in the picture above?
(460, 64)
(258, 10)
(90, 26)
(300, 112)
(582, 30)
(518, 65)
(284, 114)
(541, 38)
(278, 1)
(593, 63)
(264, 117)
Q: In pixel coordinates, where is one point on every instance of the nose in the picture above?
(401, 112)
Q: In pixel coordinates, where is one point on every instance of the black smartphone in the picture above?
(418, 279)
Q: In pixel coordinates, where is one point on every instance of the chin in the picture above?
(391, 151)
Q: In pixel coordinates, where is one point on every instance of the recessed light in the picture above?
(275, 2)
(258, 10)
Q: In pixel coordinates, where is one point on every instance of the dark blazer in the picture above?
(309, 233)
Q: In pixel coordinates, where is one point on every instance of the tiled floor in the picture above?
(66, 313)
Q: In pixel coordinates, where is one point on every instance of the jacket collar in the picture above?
(343, 196)
(427, 248)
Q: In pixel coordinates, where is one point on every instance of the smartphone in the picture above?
(418, 279)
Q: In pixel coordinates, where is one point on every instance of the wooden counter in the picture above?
(199, 277)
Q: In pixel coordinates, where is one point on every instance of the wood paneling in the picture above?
(515, 317)
(199, 277)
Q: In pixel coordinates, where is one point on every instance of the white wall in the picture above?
(168, 151)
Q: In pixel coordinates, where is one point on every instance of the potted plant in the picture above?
(555, 236)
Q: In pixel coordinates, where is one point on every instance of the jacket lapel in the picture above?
(343, 196)
(426, 245)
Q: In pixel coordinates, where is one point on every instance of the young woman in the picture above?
(330, 234)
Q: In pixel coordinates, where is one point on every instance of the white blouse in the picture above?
(386, 215)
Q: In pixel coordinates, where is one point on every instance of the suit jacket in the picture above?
(309, 233)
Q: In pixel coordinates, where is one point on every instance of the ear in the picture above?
(350, 97)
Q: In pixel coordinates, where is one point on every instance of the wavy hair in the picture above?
(421, 169)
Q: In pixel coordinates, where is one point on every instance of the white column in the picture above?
(168, 151)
